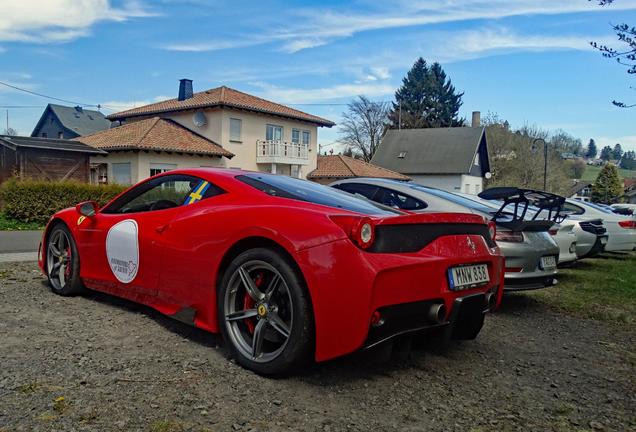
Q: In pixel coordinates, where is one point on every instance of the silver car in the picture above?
(531, 253)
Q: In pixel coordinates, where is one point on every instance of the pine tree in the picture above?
(606, 153)
(426, 99)
(617, 153)
(607, 188)
(592, 151)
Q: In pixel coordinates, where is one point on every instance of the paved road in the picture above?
(19, 241)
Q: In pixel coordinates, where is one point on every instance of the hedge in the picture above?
(35, 201)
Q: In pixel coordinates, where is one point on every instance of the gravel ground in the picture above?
(99, 363)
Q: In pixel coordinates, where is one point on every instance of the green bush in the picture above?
(35, 201)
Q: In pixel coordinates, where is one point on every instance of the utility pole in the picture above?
(545, 160)
(400, 116)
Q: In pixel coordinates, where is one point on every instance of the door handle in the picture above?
(161, 228)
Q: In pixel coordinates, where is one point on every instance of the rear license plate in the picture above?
(548, 262)
(468, 276)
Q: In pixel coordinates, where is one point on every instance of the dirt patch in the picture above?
(100, 363)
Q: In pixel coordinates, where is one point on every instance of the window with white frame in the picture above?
(295, 136)
(274, 133)
(235, 129)
(306, 137)
(158, 168)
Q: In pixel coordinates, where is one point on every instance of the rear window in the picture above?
(459, 200)
(303, 190)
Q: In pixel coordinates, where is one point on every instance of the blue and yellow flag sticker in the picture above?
(197, 193)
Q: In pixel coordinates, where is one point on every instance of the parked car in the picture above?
(531, 253)
(621, 230)
(624, 209)
(565, 237)
(284, 268)
(591, 236)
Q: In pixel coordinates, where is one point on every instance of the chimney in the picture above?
(476, 119)
(185, 89)
(78, 108)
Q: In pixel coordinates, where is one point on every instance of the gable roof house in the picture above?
(580, 190)
(141, 149)
(45, 158)
(454, 159)
(64, 122)
(260, 134)
(337, 167)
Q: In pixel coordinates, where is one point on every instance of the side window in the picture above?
(572, 209)
(163, 193)
(399, 200)
(365, 190)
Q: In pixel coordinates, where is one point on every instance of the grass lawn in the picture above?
(591, 172)
(7, 224)
(600, 288)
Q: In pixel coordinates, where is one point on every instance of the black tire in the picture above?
(58, 261)
(298, 349)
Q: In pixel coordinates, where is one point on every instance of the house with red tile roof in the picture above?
(337, 167)
(218, 127)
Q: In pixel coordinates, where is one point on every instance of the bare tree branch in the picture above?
(363, 126)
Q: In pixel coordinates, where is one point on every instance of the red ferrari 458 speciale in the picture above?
(285, 269)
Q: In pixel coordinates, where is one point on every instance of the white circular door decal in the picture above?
(122, 250)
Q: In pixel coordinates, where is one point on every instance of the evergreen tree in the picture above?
(426, 98)
(607, 188)
(592, 151)
(617, 153)
(628, 161)
(606, 153)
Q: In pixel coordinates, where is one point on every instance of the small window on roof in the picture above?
(402, 154)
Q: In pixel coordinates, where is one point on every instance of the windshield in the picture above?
(598, 207)
(304, 190)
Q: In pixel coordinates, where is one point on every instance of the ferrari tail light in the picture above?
(492, 230)
(361, 230)
(509, 236)
(628, 224)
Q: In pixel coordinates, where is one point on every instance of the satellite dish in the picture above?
(199, 119)
(488, 175)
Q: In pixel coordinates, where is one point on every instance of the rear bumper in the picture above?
(597, 248)
(347, 286)
(530, 283)
(464, 322)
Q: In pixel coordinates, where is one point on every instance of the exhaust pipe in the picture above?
(437, 313)
(491, 300)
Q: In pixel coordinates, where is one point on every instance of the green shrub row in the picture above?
(35, 201)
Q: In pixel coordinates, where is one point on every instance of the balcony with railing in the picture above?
(274, 151)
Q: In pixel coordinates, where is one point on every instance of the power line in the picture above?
(47, 96)
(22, 106)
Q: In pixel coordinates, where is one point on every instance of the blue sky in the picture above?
(529, 61)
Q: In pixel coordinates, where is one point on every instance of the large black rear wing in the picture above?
(546, 208)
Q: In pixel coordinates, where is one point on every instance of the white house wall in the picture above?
(253, 126)
(450, 182)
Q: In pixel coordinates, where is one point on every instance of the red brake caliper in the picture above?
(249, 303)
(67, 270)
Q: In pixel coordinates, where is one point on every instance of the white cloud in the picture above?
(293, 95)
(119, 105)
(477, 43)
(319, 27)
(60, 20)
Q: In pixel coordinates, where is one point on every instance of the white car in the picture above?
(621, 230)
(564, 236)
(625, 209)
(591, 236)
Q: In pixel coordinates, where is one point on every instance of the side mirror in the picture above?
(87, 208)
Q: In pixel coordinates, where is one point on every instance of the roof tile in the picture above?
(154, 134)
(340, 166)
(221, 97)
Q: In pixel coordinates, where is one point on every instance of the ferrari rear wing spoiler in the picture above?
(517, 201)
